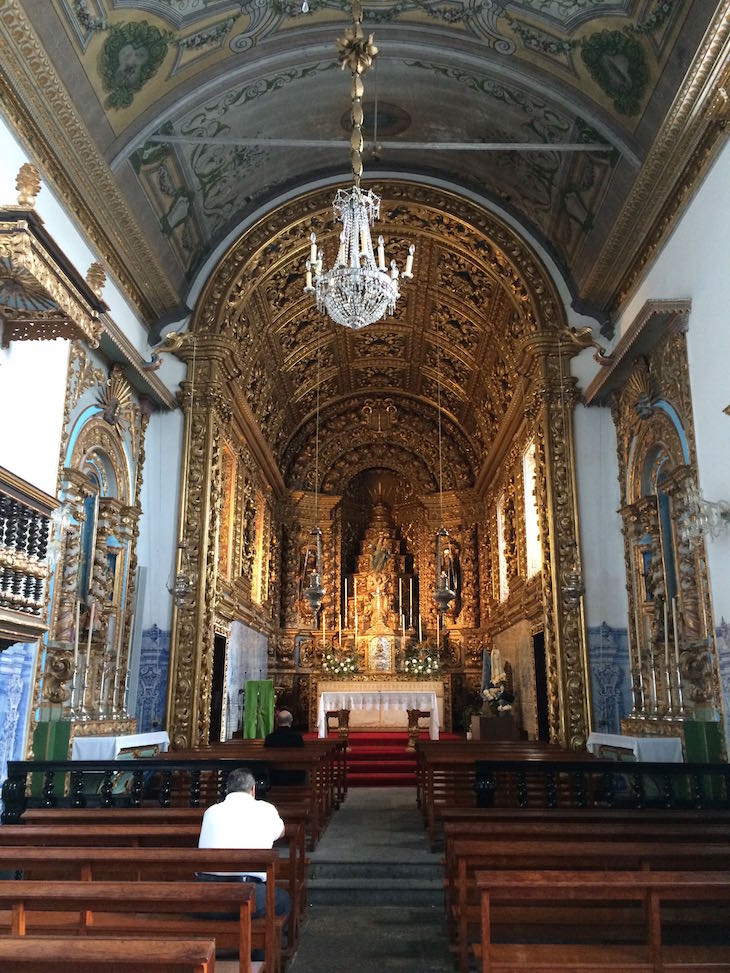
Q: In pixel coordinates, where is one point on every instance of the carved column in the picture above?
(207, 412)
(550, 409)
(469, 578)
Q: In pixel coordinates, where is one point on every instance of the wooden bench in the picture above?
(319, 797)
(139, 908)
(107, 955)
(446, 774)
(153, 865)
(471, 855)
(649, 890)
(291, 870)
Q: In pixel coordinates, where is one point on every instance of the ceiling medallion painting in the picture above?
(192, 115)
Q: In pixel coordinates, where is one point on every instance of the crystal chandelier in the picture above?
(358, 290)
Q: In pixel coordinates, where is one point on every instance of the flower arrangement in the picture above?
(339, 664)
(498, 697)
(422, 662)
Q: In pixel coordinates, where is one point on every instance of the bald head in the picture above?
(284, 718)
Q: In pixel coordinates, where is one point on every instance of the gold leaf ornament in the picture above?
(355, 52)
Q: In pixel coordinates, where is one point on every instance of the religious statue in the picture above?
(486, 668)
(381, 552)
(498, 673)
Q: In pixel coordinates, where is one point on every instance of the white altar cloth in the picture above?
(659, 749)
(379, 700)
(107, 748)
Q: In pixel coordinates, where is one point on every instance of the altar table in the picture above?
(107, 748)
(379, 700)
(658, 749)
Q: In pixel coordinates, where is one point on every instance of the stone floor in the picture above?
(376, 894)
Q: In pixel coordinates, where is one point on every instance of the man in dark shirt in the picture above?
(285, 736)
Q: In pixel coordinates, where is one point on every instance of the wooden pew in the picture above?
(122, 908)
(291, 870)
(106, 955)
(446, 774)
(318, 797)
(650, 890)
(152, 865)
(470, 856)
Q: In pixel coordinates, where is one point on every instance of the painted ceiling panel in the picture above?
(184, 94)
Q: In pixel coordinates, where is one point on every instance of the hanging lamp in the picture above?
(357, 291)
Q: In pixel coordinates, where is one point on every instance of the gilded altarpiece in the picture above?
(92, 611)
(487, 347)
(672, 648)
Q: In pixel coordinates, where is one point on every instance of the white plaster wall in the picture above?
(32, 390)
(695, 264)
(600, 524)
(158, 524)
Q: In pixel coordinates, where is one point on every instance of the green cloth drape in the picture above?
(258, 714)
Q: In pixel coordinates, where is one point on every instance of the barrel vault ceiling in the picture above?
(160, 115)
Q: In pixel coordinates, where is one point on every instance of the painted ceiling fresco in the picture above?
(180, 97)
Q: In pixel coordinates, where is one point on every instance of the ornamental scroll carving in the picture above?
(652, 412)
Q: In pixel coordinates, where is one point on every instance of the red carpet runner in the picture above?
(381, 759)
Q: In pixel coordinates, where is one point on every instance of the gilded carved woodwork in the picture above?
(655, 455)
(257, 346)
(38, 300)
(37, 103)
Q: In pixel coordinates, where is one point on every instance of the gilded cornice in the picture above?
(690, 138)
(31, 265)
(44, 118)
(144, 380)
(652, 322)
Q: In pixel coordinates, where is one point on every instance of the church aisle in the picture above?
(375, 891)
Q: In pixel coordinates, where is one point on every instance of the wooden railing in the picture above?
(600, 783)
(87, 783)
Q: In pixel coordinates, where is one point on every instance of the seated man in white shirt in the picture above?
(240, 821)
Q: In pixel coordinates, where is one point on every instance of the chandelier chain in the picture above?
(316, 439)
(438, 393)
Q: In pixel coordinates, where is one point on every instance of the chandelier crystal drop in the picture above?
(359, 289)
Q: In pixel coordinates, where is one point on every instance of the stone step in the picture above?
(365, 871)
(386, 883)
(375, 891)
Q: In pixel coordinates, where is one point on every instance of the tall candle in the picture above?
(666, 635)
(420, 633)
(345, 602)
(403, 626)
(324, 634)
(400, 596)
(354, 591)
(410, 606)
(76, 637)
(92, 614)
(674, 623)
(437, 630)
(339, 620)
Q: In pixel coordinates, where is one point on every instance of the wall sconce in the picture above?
(704, 516)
